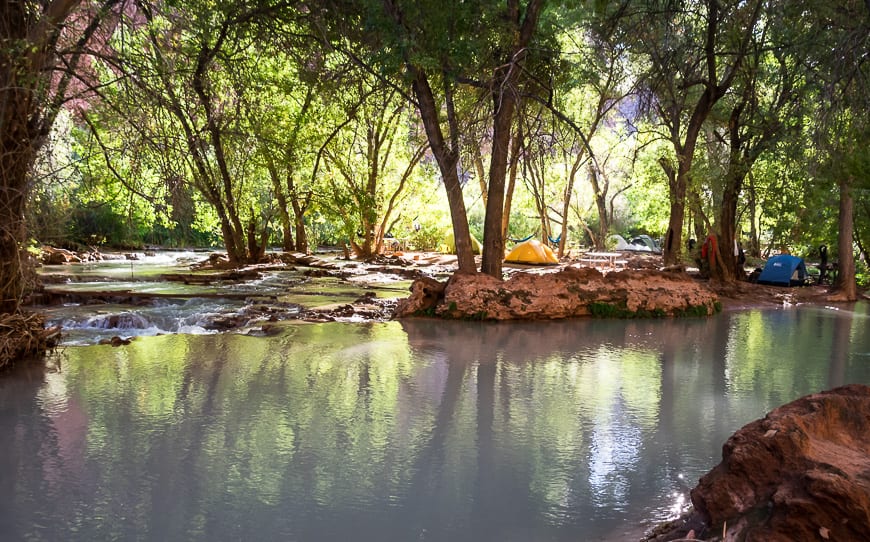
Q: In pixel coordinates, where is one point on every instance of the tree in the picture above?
(279, 129)
(503, 85)
(31, 94)
(764, 108)
(368, 160)
(437, 52)
(693, 52)
(189, 72)
(843, 68)
(601, 80)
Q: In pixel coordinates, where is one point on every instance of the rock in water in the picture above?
(800, 473)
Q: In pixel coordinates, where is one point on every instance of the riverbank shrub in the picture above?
(621, 311)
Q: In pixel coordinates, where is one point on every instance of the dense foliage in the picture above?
(248, 124)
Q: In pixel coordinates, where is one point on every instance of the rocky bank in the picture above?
(800, 473)
(569, 292)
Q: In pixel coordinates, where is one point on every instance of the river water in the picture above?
(401, 431)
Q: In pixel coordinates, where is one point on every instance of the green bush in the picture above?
(428, 237)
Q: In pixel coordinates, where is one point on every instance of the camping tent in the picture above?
(532, 251)
(449, 247)
(784, 270)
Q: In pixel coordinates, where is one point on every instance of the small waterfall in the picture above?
(119, 321)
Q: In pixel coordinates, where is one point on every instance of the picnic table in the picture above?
(608, 260)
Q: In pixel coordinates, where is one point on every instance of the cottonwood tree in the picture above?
(763, 108)
(437, 52)
(187, 67)
(693, 51)
(587, 104)
(373, 162)
(843, 66)
(285, 122)
(42, 47)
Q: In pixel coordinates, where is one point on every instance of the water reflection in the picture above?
(418, 430)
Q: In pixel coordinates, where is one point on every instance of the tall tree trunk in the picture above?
(670, 253)
(700, 226)
(481, 174)
(237, 254)
(301, 235)
(504, 103)
(566, 203)
(201, 87)
(847, 288)
(16, 158)
(754, 245)
(727, 222)
(678, 181)
(600, 203)
(283, 206)
(447, 159)
(29, 34)
(512, 181)
(300, 207)
(493, 241)
(256, 241)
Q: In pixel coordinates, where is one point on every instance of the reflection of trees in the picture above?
(261, 420)
(199, 393)
(846, 333)
(486, 511)
(779, 355)
(720, 340)
(27, 434)
(553, 398)
(471, 430)
(431, 461)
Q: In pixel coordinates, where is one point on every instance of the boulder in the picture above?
(425, 294)
(57, 256)
(567, 293)
(800, 473)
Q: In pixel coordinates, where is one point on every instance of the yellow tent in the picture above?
(532, 251)
(449, 247)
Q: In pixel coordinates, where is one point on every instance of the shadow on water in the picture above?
(413, 430)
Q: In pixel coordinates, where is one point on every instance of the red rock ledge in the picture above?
(800, 473)
(571, 292)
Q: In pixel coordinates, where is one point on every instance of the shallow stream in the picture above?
(152, 305)
(422, 430)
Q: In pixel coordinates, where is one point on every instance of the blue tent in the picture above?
(784, 270)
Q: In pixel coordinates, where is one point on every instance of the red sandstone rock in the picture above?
(800, 473)
(564, 294)
(425, 294)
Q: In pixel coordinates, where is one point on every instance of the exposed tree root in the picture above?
(23, 335)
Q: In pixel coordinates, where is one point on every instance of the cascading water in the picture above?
(121, 321)
(196, 316)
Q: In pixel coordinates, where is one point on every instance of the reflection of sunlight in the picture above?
(53, 395)
(614, 454)
(679, 505)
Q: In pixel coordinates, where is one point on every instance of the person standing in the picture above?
(823, 263)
